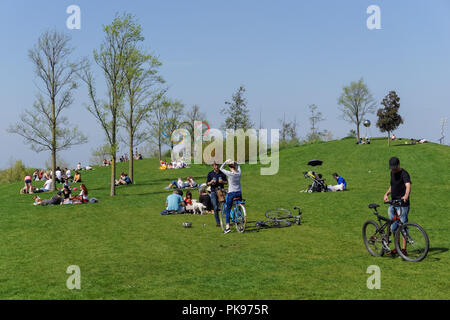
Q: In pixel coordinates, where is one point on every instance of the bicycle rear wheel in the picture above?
(278, 213)
(416, 242)
(373, 238)
(240, 217)
(277, 223)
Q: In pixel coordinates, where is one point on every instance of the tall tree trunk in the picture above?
(159, 146)
(357, 132)
(113, 175)
(53, 186)
(389, 138)
(131, 164)
(113, 165)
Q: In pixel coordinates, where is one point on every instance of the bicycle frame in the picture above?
(388, 222)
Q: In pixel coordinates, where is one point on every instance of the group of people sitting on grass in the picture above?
(175, 203)
(179, 164)
(366, 140)
(65, 196)
(61, 177)
(411, 141)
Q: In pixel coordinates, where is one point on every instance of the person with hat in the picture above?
(216, 180)
(400, 189)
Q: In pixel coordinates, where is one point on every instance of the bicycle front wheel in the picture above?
(240, 217)
(411, 242)
(373, 238)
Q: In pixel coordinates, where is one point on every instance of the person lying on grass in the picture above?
(341, 183)
(190, 183)
(57, 199)
(124, 179)
(176, 184)
(174, 203)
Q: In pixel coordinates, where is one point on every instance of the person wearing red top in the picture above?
(188, 201)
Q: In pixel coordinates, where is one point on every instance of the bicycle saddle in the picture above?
(373, 205)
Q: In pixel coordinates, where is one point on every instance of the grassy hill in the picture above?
(127, 250)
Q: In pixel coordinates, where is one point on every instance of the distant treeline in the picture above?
(15, 173)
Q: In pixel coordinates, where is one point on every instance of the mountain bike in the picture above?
(279, 218)
(408, 236)
(238, 215)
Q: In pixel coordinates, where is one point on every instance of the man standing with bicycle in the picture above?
(216, 179)
(400, 189)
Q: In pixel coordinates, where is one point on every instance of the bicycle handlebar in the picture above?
(395, 202)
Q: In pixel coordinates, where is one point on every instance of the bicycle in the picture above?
(280, 218)
(377, 236)
(238, 215)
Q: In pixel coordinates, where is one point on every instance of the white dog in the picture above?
(198, 207)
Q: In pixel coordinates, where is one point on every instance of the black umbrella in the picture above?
(315, 162)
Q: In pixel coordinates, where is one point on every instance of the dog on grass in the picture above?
(198, 207)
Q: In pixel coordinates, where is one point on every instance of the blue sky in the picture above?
(288, 54)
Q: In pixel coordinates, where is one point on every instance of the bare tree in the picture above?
(121, 37)
(173, 119)
(288, 129)
(193, 115)
(45, 127)
(156, 123)
(142, 89)
(315, 118)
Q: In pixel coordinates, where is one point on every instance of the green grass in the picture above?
(127, 250)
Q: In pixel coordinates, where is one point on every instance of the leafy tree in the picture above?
(14, 173)
(45, 127)
(142, 86)
(388, 117)
(113, 58)
(355, 102)
(237, 112)
(99, 154)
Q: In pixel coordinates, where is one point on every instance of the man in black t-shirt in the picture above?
(400, 189)
(216, 179)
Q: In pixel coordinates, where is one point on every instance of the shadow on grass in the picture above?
(435, 251)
